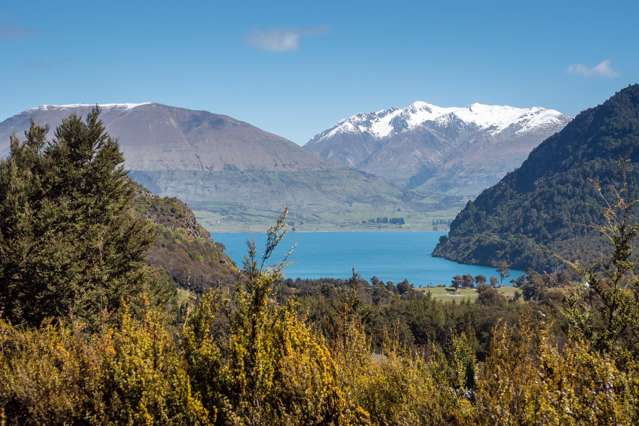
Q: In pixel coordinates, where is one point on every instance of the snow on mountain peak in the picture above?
(491, 118)
(125, 106)
(418, 105)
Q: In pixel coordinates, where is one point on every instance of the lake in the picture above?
(390, 256)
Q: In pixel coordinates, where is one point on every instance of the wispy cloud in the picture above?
(602, 69)
(281, 40)
(9, 31)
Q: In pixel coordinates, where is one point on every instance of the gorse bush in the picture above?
(529, 378)
(85, 337)
(260, 361)
(129, 373)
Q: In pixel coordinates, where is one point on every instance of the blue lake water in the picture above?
(390, 256)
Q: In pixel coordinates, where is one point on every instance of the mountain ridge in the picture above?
(494, 117)
(235, 174)
(182, 251)
(451, 150)
(155, 136)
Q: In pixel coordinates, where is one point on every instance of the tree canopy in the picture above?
(550, 205)
(69, 241)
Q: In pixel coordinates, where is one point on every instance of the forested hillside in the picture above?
(547, 209)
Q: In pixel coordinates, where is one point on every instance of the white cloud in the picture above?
(602, 69)
(280, 40)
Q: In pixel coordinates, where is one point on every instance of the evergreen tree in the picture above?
(503, 270)
(69, 243)
(468, 281)
(457, 282)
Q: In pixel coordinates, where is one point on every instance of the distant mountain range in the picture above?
(549, 207)
(457, 151)
(419, 163)
(235, 175)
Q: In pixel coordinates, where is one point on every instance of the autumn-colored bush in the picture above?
(129, 373)
(529, 379)
(260, 361)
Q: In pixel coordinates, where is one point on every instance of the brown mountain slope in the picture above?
(156, 137)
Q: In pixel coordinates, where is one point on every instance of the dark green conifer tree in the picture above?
(69, 243)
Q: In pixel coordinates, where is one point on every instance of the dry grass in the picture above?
(447, 294)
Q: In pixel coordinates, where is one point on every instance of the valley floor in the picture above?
(261, 221)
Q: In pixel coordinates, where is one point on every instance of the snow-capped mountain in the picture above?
(491, 118)
(460, 150)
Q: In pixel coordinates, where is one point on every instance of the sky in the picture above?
(295, 68)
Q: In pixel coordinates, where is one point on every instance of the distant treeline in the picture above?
(386, 220)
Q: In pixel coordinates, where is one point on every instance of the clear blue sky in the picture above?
(296, 67)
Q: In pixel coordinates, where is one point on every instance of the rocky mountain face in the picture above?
(417, 163)
(458, 151)
(550, 207)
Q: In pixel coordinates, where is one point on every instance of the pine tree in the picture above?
(69, 243)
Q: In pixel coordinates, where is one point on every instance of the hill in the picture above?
(183, 250)
(549, 205)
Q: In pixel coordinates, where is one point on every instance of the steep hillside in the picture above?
(458, 151)
(549, 205)
(183, 249)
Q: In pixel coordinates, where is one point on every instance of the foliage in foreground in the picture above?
(259, 363)
(69, 243)
(240, 357)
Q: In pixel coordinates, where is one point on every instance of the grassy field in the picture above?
(446, 294)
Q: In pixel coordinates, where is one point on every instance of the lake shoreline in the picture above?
(250, 229)
(389, 256)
